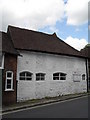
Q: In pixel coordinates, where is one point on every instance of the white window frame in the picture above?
(2, 62)
(9, 78)
(40, 76)
(59, 76)
(25, 76)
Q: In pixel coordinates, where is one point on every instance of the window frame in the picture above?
(25, 76)
(9, 78)
(41, 76)
(83, 76)
(59, 76)
(2, 61)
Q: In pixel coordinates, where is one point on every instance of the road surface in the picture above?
(74, 108)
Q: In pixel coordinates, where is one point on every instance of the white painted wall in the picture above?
(49, 64)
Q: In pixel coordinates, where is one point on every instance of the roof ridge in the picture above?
(31, 30)
(40, 41)
(66, 43)
(70, 46)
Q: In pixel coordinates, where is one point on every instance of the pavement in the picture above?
(37, 102)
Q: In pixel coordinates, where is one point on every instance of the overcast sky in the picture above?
(68, 18)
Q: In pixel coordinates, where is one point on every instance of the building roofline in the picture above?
(38, 51)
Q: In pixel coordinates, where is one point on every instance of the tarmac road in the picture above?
(74, 108)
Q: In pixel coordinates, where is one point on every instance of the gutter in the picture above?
(54, 53)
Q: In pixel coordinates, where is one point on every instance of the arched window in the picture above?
(40, 76)
(83, 77)
(25, 75)
(59, 76)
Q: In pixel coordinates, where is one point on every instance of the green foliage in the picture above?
(88, 45)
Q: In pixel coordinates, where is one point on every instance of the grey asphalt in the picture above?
(76, 108)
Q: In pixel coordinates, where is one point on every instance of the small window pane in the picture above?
(8, 81)
(40, 76)
(28, 78)
(9, 74)
(83, 77)
(62, 78)
(56, 74)
(55, 78)
(62, 74)
(22, 74)
(8, 84)
(28, 74)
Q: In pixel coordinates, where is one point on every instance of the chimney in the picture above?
(54, 34)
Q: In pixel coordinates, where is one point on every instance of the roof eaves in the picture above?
(55, 53)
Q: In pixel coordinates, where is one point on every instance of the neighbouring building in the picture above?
(86, 52)
(8, 67)
(38, 65)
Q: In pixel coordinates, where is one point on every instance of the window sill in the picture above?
(59, 80)
(1, 68)
(9, 90)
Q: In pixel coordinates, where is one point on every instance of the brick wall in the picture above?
(10, 64)
(89, 71)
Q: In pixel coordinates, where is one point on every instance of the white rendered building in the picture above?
(47, 66)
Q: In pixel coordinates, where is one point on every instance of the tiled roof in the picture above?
(86, 51)
(6, 44)
(40, 42)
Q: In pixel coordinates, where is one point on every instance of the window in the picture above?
(9, 80)
(59, 76)
(83, 77)
(40, 76)
(25, 76)
(1, 61)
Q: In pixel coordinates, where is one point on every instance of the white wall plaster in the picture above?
(49, 64)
